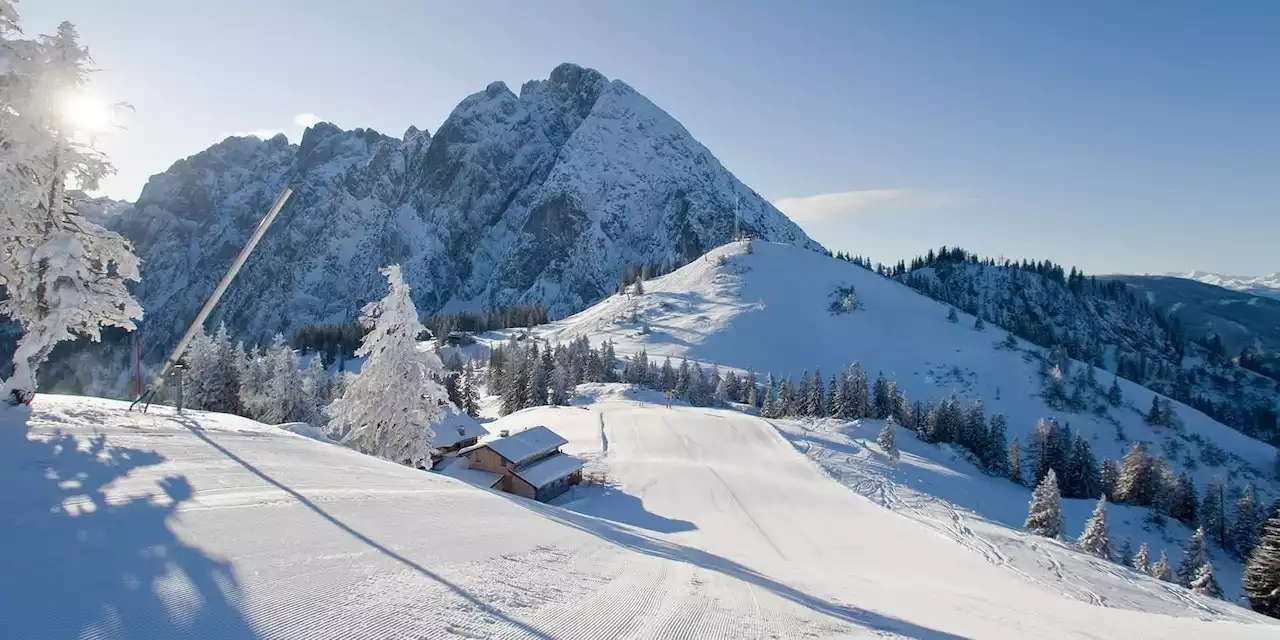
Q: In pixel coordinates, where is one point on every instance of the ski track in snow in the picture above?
(713, 527)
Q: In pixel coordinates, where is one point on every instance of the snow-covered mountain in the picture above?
(546, 196)
(1268, 285)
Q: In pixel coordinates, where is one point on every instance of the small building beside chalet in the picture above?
(453, 438)
(528, 463)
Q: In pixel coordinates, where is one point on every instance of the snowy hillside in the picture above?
(161, 526)
(546, 197)
(768, 310)
(727, 483)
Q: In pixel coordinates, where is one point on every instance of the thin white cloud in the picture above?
(305, 120)
(830, 206)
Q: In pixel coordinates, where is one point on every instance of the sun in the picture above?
(85, 112)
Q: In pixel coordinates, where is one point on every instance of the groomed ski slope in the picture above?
(764, 306)
(730, 485)
(118, 525)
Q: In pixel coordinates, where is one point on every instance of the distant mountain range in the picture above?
(1268, 285)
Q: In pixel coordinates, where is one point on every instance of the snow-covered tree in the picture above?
(64, 276)
(1247, 526)
(1108, 476)
(1160, 570)
(317, 391)
(887, 438)
(468, 389)
(537, 381)
(978, 324)
(210, 382)
(1142, 561)
(1113, 394)
(1262, 572)
(1204, 583)
(1096, 540)
(951, 315)
(1044, 517)
(667, 381)
(1136, 484)
(389, 409)
(283, 392)
(1015, 462)
(1195, 556)
(1213, 512)
(750, 394)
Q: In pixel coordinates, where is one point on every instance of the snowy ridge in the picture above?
(766, 308)
(542, 197)
(1268, 285)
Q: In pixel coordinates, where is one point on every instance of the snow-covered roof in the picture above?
(449, 435)
(549, 469)
(527, 445)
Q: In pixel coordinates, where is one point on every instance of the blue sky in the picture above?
(1138, 136)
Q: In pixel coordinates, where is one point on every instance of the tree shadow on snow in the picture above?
(613, 504)
(641, 543)
(77, 564)
(480, 605)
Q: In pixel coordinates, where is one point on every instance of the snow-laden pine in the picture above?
(388, 410)
(1045, 514)
(64, 276)
(1096, 540)
(1262, 573)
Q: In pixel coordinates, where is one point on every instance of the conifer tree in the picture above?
(1213, 512)
(468, 387)
(1126, 553)
(389, 409)
(64, 276)
(1204, 583)
(1262, 572)
(785, 405)
(833, 390)
(1185, 502)
(750, 390)
(1136, 484)
(996, 456)
(880, 398)
(1160, 570)
(1044, 516)
(951, 315)
(1096, 540)
(1193, 559)
(887, 438)
(667, 381)
(1108, 477)
(769, 408)
(1142, 561)
(1113, 394)
(1015, 462)
(317, 392)
(978, 324)
(1247, 526)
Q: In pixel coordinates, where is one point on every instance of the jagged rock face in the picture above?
(542, 197)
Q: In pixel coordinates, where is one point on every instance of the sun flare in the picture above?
(86, 112)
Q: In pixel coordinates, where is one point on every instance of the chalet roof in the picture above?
(449, 435)
(548, 470)
(527, 445)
